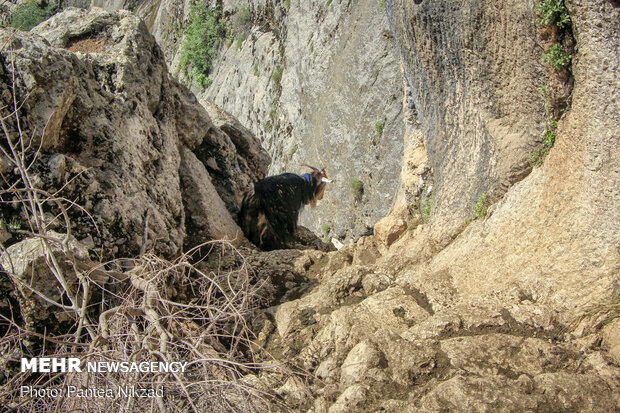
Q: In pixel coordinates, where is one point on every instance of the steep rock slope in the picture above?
(555, 227)
(317, 82)
(519, 311)
(134, 154)
(337, 104)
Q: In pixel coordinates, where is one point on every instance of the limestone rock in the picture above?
(232, 156)
(548, 240)
(363, 357)
(108, 119)
(467, 87)
(366, 251)
(351, 398)
(244, 141)
(416, 175)
(306, 239)
(611, 339)
(118, 123)
(206, 215)
(27, 267)
(388, 229)
(513, 356)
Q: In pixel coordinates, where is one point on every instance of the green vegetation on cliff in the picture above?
(357, 189)
(425, 210)
(553, 12)
(199, 47)
(557, 57)
(277, 74)
(538, 155)
(481, 206)
(29, 14)
(379, 127)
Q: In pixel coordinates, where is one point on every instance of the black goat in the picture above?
(269, 211)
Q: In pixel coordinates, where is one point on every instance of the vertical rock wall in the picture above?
(337, 105)
(475, 71)
(552, 236)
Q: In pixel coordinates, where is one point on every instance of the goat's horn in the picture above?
(311, 167)
(327, 181)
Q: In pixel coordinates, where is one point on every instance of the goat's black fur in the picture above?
(269, 211)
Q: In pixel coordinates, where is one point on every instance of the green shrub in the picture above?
(27, 15)
(553, 12)
(379, 127)
(481, 206)
(240, 40)
(326, 228)
(357, 184)
(287, 3)
(202, 80)
(426, 211)
(199, 47)
(382, 5)
(328, 3)
(256, 70)
(357, 189)
(277, 74)
(13, 226)
(549, 135)
(557, 57)
(538, 155)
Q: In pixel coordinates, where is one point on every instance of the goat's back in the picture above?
(269, 211)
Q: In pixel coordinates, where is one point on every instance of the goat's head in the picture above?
(321, 181)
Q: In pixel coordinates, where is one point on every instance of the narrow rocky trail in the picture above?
(373, 342)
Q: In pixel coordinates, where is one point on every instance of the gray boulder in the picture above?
(116, 124)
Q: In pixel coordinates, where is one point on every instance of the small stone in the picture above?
(88, 242)
(58, 167)
(389, 229)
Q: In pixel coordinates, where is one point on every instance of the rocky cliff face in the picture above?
(337, 105)
(475, 73)
(317, 83)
